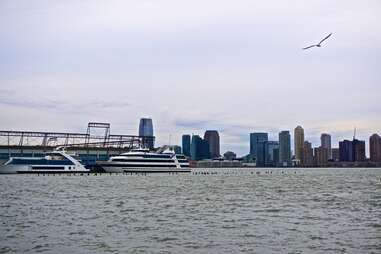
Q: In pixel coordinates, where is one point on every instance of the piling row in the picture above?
(169, 173)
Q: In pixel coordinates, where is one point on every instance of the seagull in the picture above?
(319, 44)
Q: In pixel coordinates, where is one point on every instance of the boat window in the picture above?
(140, 160)
(55, 156)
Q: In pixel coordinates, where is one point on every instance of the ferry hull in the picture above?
(25, 169)
(111, 169)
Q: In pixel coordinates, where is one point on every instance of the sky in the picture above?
(233, 66)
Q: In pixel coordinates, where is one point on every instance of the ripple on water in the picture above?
(320, 210)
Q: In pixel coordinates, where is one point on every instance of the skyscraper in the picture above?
(346, 150)
(284, 148)
(271, 153)
(375, 148)
(146, 130)
(260, 156)
(335, 154)
(186, 145)
(214, 143)
(321, 156)
(352, 150)
(326, 143)
(299, 143)
(199, 148)
(257, 147)
(359, 150)
(308, 154)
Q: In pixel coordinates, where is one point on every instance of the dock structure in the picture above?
(90, 146)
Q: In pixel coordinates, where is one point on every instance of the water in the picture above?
(297, 211)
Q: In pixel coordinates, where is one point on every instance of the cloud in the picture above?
(191, 66)
(41, 102)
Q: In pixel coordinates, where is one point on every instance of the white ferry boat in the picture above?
(53, 162)
(142, 160)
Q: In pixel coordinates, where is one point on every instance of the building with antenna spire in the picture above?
(352, 151)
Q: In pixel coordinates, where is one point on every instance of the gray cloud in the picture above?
(192, 66)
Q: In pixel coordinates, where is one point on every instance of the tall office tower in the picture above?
(335, 154)
(257, 147)
(271, 153)
(359, 150)
(284, 148)
(308, 154)
(299, 143)
(186, 145)
(321, 156)
(146, 130)
(260, 156)
(199, 148)
(326, 143)
(375, 148)
(214, 143)
(346, 150)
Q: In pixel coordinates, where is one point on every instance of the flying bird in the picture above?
(319, 44)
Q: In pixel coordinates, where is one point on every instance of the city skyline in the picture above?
(277, 153)
(236, 68)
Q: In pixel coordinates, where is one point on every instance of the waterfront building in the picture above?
(257, 147)
(255, 139)
(284, 148)
(219, 164)
(321, 156)
(276, 156)
(186, 145)
(359, 150)
(346, 150)
(199, 148)
(335, 154)
(249, 159)
(375, 148)
(146, 130)
(352, 150)
(325, 140)
(271, 153)
(260, 156)
(298, 144)
(308, 154)
(229, 155)
(213, 139)
(35, 144)
(177, 149)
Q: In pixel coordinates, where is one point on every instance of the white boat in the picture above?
(53, 162)
(142, 160)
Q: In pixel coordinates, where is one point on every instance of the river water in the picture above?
(206, 211)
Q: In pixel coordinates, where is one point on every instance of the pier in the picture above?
(90, 146)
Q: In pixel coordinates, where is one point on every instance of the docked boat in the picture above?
(142, 160)
(56, 162)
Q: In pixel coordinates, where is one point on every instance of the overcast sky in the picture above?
(233, 66)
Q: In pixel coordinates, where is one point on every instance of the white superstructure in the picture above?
(142, 160)
(53, 162)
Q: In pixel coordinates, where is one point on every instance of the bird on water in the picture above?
(319, 44)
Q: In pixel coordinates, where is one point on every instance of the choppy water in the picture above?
(310, 211)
